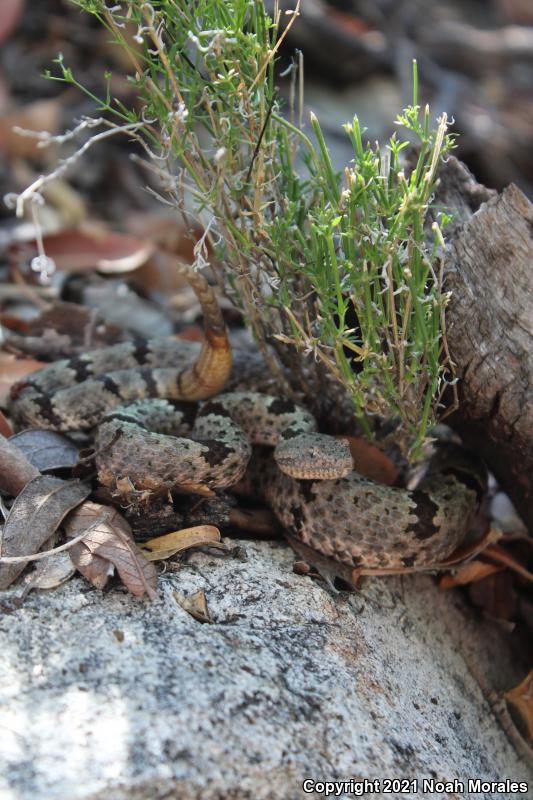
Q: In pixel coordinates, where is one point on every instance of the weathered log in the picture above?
(489, 270)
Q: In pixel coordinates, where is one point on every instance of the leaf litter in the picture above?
(166, 546)
(34, 517)
(108, 538)
(194, 604)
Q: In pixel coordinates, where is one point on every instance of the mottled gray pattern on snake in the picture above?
(149, 447)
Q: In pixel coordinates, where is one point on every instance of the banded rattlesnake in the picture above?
(309, 484)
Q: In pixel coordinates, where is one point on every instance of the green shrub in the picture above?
(341, 271)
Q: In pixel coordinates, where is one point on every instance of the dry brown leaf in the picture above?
(42, 115)
(13, 323)
(173, 240)
(5, 427)
(471, 572)
(168, 545)
(260, 521)
(167, 232)
(96, 247)
(501, 556)
(34, 516)
(496, 596)
(94, 569)
(195, 605)
(109, 538)
(15, 470)
(192, 333)
(12, 370)
(371, 462)
(521, 698)
(50, 572)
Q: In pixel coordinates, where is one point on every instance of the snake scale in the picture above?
(142, 399)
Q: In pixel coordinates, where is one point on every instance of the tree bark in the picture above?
(489, 270)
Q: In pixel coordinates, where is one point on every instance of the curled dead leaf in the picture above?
(96, 247)
(521, 698)
(501, 556)
(51, 572)
(168, 545)
(195, 605)
(471, 572)
(109, 540)
(94, 569)
(5, 427)
(15, 469)
(260, 521)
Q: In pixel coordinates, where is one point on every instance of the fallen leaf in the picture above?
(51, 572)
(34, 516)
(260, 521)
(94, 569)
(501, 556)
(194, 604)
(192, 333)
(521, 698)
(171, 543)
(46, 450)
(370, 461)
(15, 470)
(12, 369)
(471, 572)
(13, 323)
(5, 427)
(109, 538)
(496, 595)
(41, 115)
(167, 231)
(96, 247)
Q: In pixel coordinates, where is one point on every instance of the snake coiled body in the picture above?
(150, 439)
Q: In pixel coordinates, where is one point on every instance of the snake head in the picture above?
(314, 456)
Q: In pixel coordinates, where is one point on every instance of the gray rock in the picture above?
(105, 696)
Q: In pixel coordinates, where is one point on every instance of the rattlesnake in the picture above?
(146, 447)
